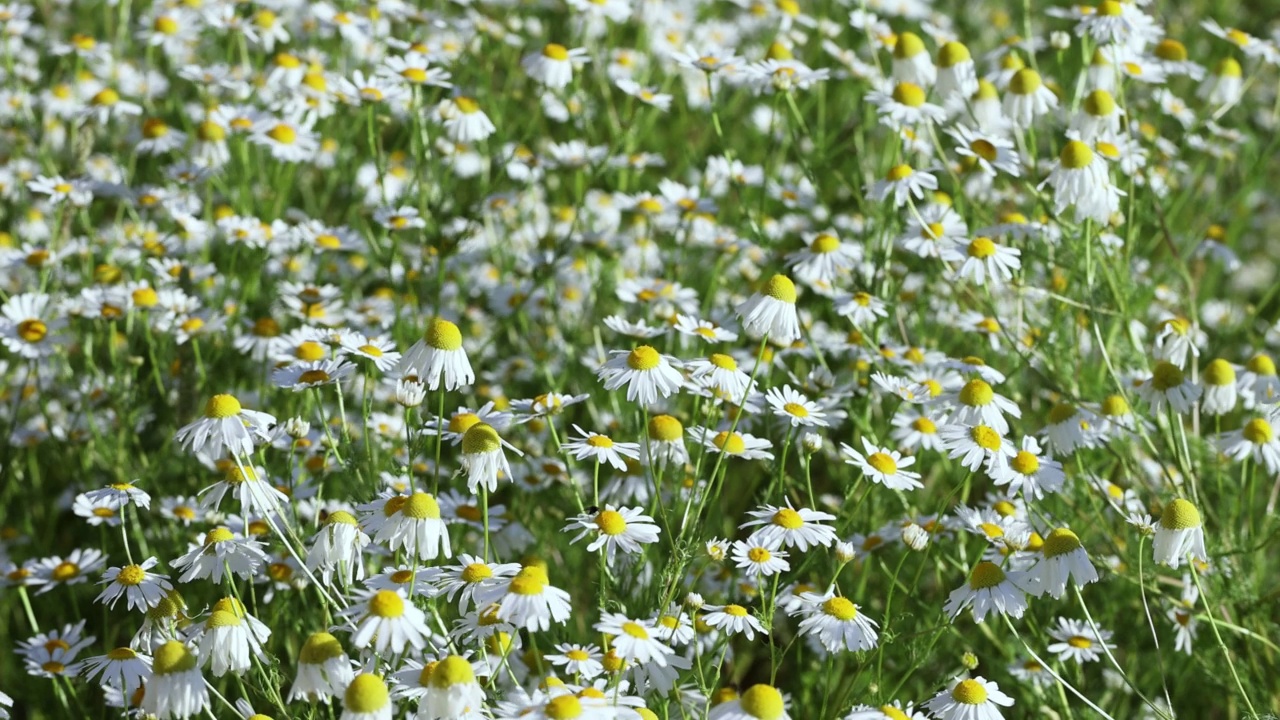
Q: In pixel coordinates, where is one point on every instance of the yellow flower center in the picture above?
(840, 608)
(969, 692)
(1180, 515)
(611, 522)
(222, 406)
(643, 358)
(367, 693)
(763, 702)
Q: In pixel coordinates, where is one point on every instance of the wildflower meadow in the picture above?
(639, 360)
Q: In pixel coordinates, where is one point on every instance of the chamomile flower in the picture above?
(1169, 386)
(439, 356)
(883, 465)
(733, 620)
(1179, 535)
(973, 698)
(1077, 641)
(990, 589)
(837, 623)
(772, 311)
(140, 587)
(759, 702)
(760, 555)
(483, 457)
(801, 529)
(601, 449)
(226, 426)
(625, 529)
(387, 621)
(177, 688)
(647, 374)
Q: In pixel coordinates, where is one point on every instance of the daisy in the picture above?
(483, 458)
(469, 576)
(1257, 439)
(528, 600)
(28, 327)
(416, 527)
(120, 667)
(1077, 641)
(625, 529)
(883, 466)
(1029, 472)
(142, 588)
(1179, 535)
(903, 183)
(647, 374)
(337, 545)
(388, 621)
(733, 619)
(217, 551)
(733, 444)
(969, 699)
(1027, 97)
(1063, 559)
(76, 568)
(439, 354)
(601, 449)
(983, 260)
(577, 660)
(1220, 388)
(989, 588)
(367, 698)
(789, 527)
(177, 689)
(759, 702)
(452, 690)
(553, 65)
(324, 670)
(760, 556)
(772, 312)
(798, 410)
(824, 259)
(837, 623)
(226, 425)
(1169, 386)
(633, 640)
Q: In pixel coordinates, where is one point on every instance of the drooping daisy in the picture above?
(759, 702)
(772, 311)
(837, 623)
(989, 589)
(177, 688)
(647, 374)
(367, 698)
(324, 670)
(528, 600)
(1063, 559)
(439, 355)
(1077, 641)
(483, 458)
(625, 529)
(387, 621)
(226, 426)
(969, 699)
(883, 466)
(1179, 535)
(142, 588)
